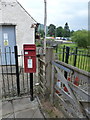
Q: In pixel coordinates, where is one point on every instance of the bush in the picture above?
(81, 38)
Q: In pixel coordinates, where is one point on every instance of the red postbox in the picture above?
(29, 58)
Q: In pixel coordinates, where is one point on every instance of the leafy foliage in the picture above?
(59, 32)
(41, 32)
(81, 38)
(71, 33)
(51, 30)
(66, 30)
(89, 38)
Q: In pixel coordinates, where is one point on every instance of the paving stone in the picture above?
(24, 103)
(23, 108)
(37, 114)
(7, 108)
(28, 113)
(0, 86)
(0, 107)
(9, 116)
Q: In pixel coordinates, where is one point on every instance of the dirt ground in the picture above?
(50, 110)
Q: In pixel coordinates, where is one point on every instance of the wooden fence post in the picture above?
(52, 86)
(40, 66)
(48, 59)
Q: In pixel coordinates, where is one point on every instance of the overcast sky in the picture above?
(75, 12)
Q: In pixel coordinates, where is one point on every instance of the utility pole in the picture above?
(45, 22)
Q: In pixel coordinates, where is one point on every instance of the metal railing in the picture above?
(74, 56)
(15, 82)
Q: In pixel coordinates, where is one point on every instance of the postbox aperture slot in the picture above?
(29, 49)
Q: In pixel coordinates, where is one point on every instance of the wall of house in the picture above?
(13, 13)
(0, 12)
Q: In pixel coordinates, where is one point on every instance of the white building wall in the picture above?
(0, 12)
(13, 13)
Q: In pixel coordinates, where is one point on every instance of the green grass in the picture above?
(69, 45)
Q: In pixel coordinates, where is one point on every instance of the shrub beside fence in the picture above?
(74, 56)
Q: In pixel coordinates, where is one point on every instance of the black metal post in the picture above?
(31, 86)
(67, 54)
(63, 53)
(11, 68)
(17, 70)
(7, 68)
(75, 58)
(67, 57)
(56, 48)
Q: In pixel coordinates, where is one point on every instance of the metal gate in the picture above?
(14, 81)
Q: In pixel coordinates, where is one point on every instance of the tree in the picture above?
(66, 30)
(41, 32)
(88, 37)
(71, 33)
(81, 38)
(51, 30)
(59, 32)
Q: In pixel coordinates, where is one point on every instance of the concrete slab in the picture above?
(21, 108)
(7, 108)
(37, 114)
(25, 103)
(9, 116)
(24, 108)
(28, 113)
(0, 109)
(0, 84)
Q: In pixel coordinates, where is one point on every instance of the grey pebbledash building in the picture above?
(15, 25)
